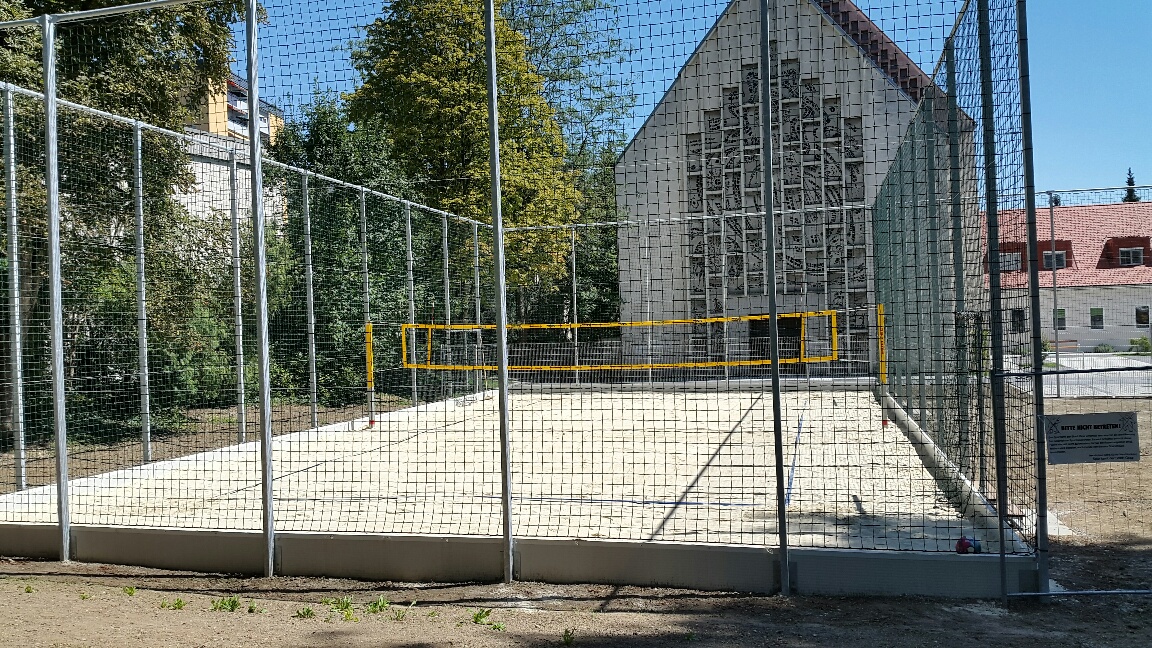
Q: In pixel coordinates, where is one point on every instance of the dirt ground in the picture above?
(1106, 508)
(55, 604)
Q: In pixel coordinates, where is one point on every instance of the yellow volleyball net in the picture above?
(711, 342)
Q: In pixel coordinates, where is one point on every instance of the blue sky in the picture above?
(1090, 90)
(1091, 93)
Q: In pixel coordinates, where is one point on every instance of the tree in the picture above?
(425, 81)
(573, 45)
(323, 141)
(1130, 194)
(155, 66)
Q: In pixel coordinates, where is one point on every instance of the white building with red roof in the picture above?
(1101, 261)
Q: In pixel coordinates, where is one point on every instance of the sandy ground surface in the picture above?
(46, 604)
(1107, 508)
(694, 466)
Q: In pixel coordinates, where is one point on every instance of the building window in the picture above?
(1009, 261)
(1097, 318)
(1142, 316)
(1019, 321)
(1061, 258)
(1059, 320)
(1131, 256)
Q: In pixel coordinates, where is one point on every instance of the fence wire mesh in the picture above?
(642, 270)
(1095, 288)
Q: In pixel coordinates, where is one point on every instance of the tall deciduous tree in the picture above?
(425, 79)
(155, 66)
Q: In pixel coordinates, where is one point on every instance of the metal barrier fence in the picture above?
(245, 316)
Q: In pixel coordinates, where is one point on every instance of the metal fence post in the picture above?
(766, 158)
(963, 398)
(257, 180)
(936, 285)
(1034, 290)
(16, 342)
(501, 296)
(478, 355)
(575, 312)
(141, 292)
(996, 326)
(237, 297)
(56, 298)
(309, 299)
(411, 293)
(370, 369)
(447, 299)
(1055, 297)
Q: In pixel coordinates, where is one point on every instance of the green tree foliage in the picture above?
(155, 66)
(1130, 193)
(425, 81)
(322, 141)
(573, 45)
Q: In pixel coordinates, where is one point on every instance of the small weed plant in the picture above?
(178, 604)
(569, 637)
(84, 596)
(400, 613)
(28, 589)
(484, 618)
(305, 613)
(253, 609)
(379, 605)
(226, 604)
(130, 590)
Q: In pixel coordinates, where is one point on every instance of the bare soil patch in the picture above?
(55, 604)
(1107, 507)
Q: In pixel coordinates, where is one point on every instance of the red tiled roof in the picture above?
(1088, 231)
(885, 53)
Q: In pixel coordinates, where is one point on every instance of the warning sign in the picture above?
(1092, 438)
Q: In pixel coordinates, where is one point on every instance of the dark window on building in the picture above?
(1131, 256)
(1141, 316)
(1019, 320)
(1097, 318)
(1060, 321)
(1061, 260)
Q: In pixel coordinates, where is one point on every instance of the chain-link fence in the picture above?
(653, 337)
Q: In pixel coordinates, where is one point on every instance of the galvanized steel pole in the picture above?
(992, 212)
(501, 300)
(141, 293)
(478, 354)
(766, 157)
(257, 183)
(16, 348)
(309, 299)
(411, 295)
(237, 297)
(370, 368)
(1055, 297)
(56, 299)
(447, 295)
(575, 311)
(1034, 290)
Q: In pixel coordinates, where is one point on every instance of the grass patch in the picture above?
(379, 605)
(226, 604)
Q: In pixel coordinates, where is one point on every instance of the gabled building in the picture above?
(843, 97)
(1103, 271)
